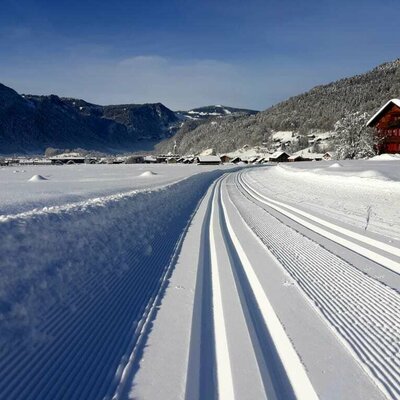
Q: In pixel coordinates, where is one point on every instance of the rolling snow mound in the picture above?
(148, 173)
(37, 178)
(336, 165)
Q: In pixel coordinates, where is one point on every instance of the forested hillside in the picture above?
(318, 109)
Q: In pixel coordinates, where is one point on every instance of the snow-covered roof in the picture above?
(324, 135)
(305, 153)
(209, 159)
(295, 156)
(68, 155)
(277, 154)
(62, 157)
(382, 109)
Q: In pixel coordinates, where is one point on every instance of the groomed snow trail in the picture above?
(253, 357)
(243, 344)
(364, 313)
(158, 293)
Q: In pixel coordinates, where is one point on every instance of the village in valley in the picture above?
(318, 146)
(386, 121)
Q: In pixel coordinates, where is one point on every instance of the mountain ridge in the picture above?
(30, 123)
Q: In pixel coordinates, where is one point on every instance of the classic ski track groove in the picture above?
(294, 375)
(364, 313)
(223, 362)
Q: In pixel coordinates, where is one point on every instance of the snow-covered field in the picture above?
(361, 193)
(274, 282)
(72, 183)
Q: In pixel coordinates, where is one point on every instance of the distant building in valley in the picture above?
(72, 158)
(225, 158)
(297, 157)
(279, 156)
(208, 160)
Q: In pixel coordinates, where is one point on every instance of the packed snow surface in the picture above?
(161, 281)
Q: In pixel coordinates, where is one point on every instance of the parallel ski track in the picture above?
(379, 252)
(85, 348)
(201, 373)
(364, 313)
(273, 371)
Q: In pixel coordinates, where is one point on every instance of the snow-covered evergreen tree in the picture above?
(353, 138)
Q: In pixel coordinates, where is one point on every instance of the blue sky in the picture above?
(188, 53)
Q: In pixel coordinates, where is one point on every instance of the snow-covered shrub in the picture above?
(353, 138)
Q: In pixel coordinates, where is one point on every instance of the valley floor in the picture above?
(276, 282)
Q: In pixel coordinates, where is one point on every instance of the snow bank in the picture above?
(51, 257)
(386, 157)
(354, 171)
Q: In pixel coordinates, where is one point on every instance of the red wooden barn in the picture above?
(387, 124)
